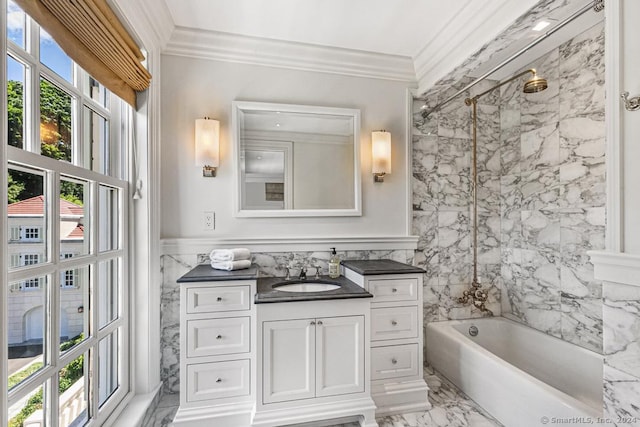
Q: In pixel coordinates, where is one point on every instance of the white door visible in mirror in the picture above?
(296, 160)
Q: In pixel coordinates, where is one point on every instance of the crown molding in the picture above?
(181, 246)
(292, 55)
(150, 20)
(475, 24)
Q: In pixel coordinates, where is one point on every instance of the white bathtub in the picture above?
(519, 375)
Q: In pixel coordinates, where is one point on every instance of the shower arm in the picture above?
(475, 98)
(596, 6)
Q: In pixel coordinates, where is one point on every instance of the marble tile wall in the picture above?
(541, 195)
(622, 353)
(270, 264)
(552, 193)
(442, 193)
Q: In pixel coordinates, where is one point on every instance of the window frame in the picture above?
(119, 117)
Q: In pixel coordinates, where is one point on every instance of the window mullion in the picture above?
(53, 306)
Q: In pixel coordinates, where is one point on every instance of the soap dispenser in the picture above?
(334, 264)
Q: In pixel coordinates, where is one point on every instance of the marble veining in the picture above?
(541, 189)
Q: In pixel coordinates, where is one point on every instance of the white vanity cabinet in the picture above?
(397, 343)
(217, 351)
(308, 358)
(314, 363)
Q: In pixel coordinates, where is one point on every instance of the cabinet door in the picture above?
(288, 360)
(340, 355)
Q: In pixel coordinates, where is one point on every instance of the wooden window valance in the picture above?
(93, 36)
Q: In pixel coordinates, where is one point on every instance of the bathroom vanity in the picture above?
(397, 341)
(256, 355)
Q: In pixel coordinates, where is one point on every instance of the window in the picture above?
(31, 233)
(14, 234)
(67, 244)
(30, 259)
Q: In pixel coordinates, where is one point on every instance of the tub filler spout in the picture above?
(476, 296)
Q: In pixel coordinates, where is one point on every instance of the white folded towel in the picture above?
(231, 265)
(236, 254)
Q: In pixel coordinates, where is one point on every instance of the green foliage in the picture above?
(14, 189)
(20, 376)
(72, 192)
(68, 376)
(30, 185)
(33, 404)
(55, 121)
(15, 112)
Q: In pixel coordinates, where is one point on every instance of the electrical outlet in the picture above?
(209, 221)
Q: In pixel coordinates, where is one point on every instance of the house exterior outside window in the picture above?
(67, 328)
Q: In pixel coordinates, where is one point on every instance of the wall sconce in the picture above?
(381, 154)
(208, 145)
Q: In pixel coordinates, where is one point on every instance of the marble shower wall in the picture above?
(442, 210)
(552, 193)
(541, 195)
(270, 264)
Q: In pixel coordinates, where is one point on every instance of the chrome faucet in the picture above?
(303, 273)
(477, 296)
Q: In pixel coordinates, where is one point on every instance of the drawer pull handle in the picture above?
(312, 322)
(219, 337)
(320, 322)
(394, 361)
(219, 380)
(219, 299)
(394, 323)
(394, 290)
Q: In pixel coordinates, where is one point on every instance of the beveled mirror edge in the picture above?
(237, 106)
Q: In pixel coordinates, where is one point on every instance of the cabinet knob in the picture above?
(394, 323)
(219, 380)
(320, 322)
(219, 337)
(394, 361)
(394, 290)
(312, 322)
(219, 299)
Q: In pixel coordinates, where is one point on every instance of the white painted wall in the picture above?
(630, 67)
(193, 88)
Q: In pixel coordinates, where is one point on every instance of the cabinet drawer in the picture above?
(394, 323)
(210, 337)
(400, 289)
(223, 298)
(218, 380)
(394, 361)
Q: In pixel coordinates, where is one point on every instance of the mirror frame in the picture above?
(236, 121)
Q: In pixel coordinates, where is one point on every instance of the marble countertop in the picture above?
(268, 294)
(204, 273)
(380, 266)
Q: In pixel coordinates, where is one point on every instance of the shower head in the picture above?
(535, 84)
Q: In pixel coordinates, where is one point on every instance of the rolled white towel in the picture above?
(231, 265)
(236, 254)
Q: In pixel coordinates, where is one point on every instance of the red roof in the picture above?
(77, 233)
(35, 206)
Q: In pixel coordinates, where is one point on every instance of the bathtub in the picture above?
(521, 376)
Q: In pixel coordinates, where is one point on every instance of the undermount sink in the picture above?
(306, 287)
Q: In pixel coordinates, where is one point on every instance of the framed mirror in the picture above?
(296, 160)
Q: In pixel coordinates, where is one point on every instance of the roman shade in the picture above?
(91, 34)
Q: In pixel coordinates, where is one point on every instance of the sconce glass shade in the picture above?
(207, 142)
(381, 152)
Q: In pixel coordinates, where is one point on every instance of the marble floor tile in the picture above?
(450, 408)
